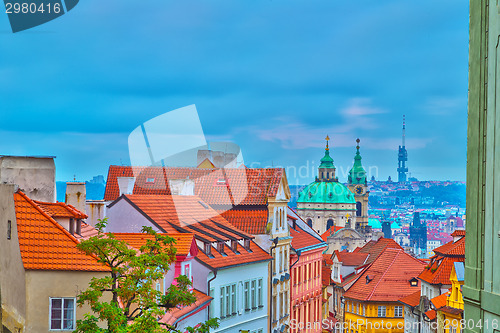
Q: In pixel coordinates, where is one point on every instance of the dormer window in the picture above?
(369, 279)
(234, 245)
(220, 247)
(208, 249)
(150, 180)
(414, 282)
(247, 243)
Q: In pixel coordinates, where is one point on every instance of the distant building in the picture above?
(418, 236)
(402, 157)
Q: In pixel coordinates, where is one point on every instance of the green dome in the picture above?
(394, 225)
(374, 223)
(327, 160)
(326, 192)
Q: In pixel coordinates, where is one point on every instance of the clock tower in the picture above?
(358, 185)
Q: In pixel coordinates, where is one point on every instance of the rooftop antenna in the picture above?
(404, 130)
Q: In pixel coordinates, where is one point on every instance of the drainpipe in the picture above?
(275, 243)
(215, 275)
(298, 252)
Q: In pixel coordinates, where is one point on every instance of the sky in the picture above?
(275, 77)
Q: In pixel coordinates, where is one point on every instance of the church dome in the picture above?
(326, 192)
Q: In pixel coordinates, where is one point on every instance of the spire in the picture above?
(327, 161)
(327, 139)
(357, 174)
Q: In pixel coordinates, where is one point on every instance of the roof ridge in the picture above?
(385, 272)
(34, 204)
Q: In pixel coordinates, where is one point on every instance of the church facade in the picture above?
(327, 202)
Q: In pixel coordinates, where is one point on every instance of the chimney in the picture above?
(76, 195)
(126, 185)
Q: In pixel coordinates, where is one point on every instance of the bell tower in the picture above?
(357, 183)
(326, 170)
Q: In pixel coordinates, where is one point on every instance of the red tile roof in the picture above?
(375, 248)
(431, 314)
(252, 220)
(458, 233)
(46, 245)
(189, 213)
(351, 258)
(184, 243)
(180, 313)
(412, 299)
(242, 186)
(439, 269)
(302, 239)
(60, 209)
(452, 248)
(331, 231)
(389, 276)
(217, 261)
(439, 301)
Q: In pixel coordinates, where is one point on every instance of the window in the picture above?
(246, 295)
(358, 209)
(260, 295)
(150, 180)
(9, 229)
(274, 308)
(381, 311)
(329, 224)
(309, 222)
(211, 306)
(398, 311)
(62, 314)
(228, 301)
(253, 293)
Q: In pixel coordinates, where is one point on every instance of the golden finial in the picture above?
(327, 139)
(357, 141)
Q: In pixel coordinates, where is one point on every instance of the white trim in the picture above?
(62, 314)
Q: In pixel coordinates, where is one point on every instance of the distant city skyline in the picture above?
(273, 77)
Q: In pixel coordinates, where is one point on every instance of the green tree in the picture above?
(126, 299)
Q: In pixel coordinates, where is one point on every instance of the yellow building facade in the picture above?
(371, 317)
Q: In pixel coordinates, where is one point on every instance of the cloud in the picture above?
(445, 106)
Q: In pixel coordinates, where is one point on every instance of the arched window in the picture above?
(327, 175)
(358, 208)
(309, 222)
(329, 224)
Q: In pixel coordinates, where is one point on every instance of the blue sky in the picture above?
(272, 76)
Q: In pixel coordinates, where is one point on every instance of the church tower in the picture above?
(357, 183)
(326, 202)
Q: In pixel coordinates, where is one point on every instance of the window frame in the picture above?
(382, 307)
(63, 299)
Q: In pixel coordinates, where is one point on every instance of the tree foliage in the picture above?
(126, 299)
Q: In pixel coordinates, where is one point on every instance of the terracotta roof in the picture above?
(302, 239)
(240, 186)
(326, 270)
(185, 213)
(87, 231)
(60, 209)
(231, 259)
(439, 269)
(375, 248)
(389, 278)
(431, 314)
(331, 231)
(184, 243)
(252, 220)
(180, 313)
(458, 233)
(351, 258)
(46, 245)
(451, 310)
(412, 299)
(439, 301)
(452, 248)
